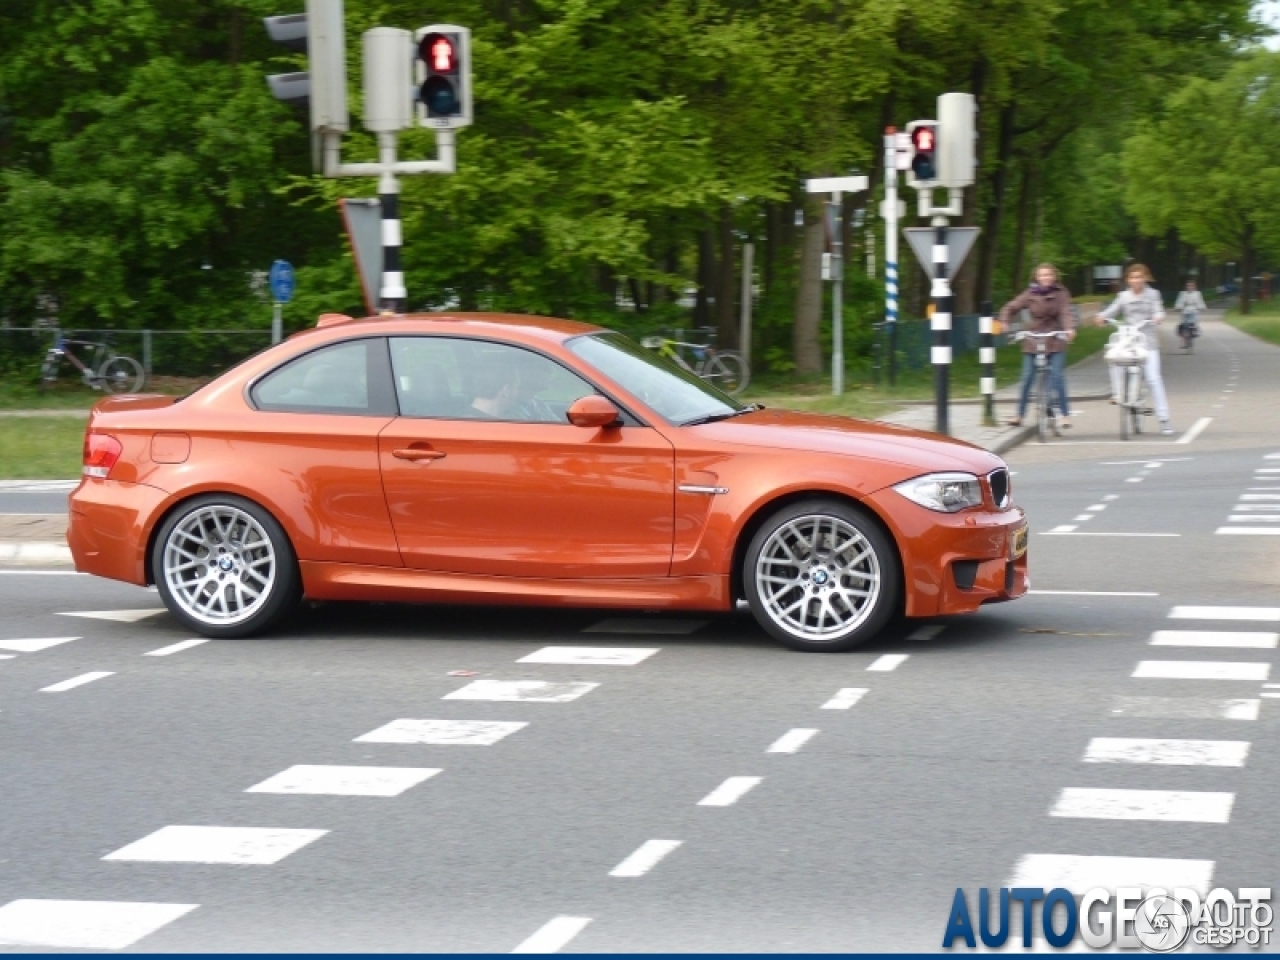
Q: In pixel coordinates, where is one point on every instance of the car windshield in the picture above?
(678, 395)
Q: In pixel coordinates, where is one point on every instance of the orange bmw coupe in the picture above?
(482, 458)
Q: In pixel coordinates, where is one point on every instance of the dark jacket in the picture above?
(1049, 311)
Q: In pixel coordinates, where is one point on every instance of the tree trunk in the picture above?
(726, 288)
(772, 240)
(989, 242)
(808, 319)
(636, 294)
(1024, 213)
(706, 279)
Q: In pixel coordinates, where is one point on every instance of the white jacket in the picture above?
(1190, 301)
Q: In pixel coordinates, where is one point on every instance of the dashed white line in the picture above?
(1111, 496)
(1271, 614)
(476, 733)
(1200, 670)
(888, 662)
(521, 691)
(1249, 531)
(119, 616)
(792, 740)
(176, 648)
(77, 681)
(647, 856)
(1063, 528)
(1097, 508)
(845, 698)
(1186, 708)
(730, 792)
(345, 781)
(238, 845)
(84, 924)
(1183, 806)
(553, 935)
(34, 644)
(591, 656)
(1093, 593)
(1165, 752)
(1215, 638)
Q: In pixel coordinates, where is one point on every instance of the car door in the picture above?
(484, 475)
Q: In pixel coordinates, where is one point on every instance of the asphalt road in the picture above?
(962, 765)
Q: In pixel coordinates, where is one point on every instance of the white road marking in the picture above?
(1069, 533)
(1097, 508)
(345, 781)
(7, 656)
(592, 656)
(1063, 528)
(730, 792)
(239, 845)
(647, 856)
(1182, 806)
(1266, 469)
(1215, 638)
(84, 924)
(1082, 517)
(1256, 497)
(119, 616)
(1132, 479)
(1197, 428)
(888, 662)
(1249, 531)
(646, 626)
(1176, 753)
(1253, 518)
(1092, 593)
(1185, 708)
(1200, 670)
(1130, 463)
(1111, 496)
(1225, 613)
(1271, 686)
(845, 698)
(77, 681)
(34, 644)
(792, 740)
(521, 691)
(1270, 696)
(42, 573)
(1272, 456)
(553, 935)
(474, 733)
(176, 647)
(1153, 464)
(927, 632)
(1081, 874)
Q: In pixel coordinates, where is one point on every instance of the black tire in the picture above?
(121, 375)
(277, 600)
(843, 520)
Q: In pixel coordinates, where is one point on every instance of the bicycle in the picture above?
(1128, 348)
(1042, 389)
(727, 369)
(106, 369)
(1188, 330)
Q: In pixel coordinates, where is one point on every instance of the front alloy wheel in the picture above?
(821, 576)
(224, 567)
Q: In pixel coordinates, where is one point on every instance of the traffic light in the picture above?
(443, 73)
(323, 87)
(924, 151)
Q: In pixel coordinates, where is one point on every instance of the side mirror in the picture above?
(593, 410)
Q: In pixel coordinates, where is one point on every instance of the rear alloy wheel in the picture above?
(820, 576)
(224, 567)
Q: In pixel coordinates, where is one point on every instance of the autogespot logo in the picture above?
(1157, 920)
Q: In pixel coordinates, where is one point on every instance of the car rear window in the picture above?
(349, 377)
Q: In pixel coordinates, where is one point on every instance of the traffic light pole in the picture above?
(891, 248)
(393, 294)
(837, 297)
(987, 357)
(941, 324)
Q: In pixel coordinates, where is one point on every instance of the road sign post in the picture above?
(282, 283)
(836, 187)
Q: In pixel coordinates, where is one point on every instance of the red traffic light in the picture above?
(923, 139)
(440, 53)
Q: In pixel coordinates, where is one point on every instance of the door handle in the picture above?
(414, 454)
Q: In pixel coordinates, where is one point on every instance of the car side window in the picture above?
(461, 379)
(348, 378)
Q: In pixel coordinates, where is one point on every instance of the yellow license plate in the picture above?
(1019, 543)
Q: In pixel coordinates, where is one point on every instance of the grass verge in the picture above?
(1263, 320)
(41, 448)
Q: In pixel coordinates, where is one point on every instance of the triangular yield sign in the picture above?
(120, 616)
(959, 243)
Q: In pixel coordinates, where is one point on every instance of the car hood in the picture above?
(915, 451)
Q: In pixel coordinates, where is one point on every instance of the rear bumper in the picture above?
(110, 523)
(954, 563)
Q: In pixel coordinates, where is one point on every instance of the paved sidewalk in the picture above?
(1086, 380)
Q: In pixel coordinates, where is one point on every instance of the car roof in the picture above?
(546, 328)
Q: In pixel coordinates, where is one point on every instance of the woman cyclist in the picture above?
(1049, 303)
(1191, 303)
(1141, 305)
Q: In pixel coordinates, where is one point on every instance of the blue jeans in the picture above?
(1057, 381)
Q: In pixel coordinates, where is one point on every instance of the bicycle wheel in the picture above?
(728, 371)
(48, 371)
(121, 375)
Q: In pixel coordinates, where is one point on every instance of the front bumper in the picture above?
(954, 563)
(110, 524)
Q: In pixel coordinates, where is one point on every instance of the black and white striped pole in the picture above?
(393, 294)
(987, 358)
(941, 324)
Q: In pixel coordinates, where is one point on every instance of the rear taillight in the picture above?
(100, 454)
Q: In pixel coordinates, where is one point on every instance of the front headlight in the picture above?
(944, 492)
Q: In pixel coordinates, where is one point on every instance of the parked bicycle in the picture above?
(1042, 393)
(727, 369)
(105, 370)
(1128, 349)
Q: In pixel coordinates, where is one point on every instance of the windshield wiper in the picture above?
(712, 418)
